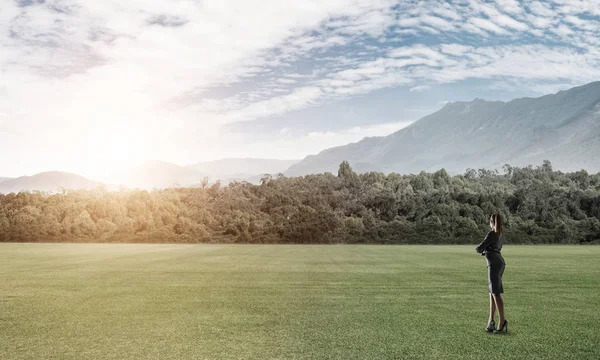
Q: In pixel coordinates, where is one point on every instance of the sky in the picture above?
(94, 87)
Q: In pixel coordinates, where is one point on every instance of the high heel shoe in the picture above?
(491, 326)
(503, 328)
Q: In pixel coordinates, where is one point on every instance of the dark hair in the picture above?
(497, 220)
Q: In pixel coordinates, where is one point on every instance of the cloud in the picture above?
(450, 62)
(286, 81)
(540, 8)
(562, 30)
(297, 99)
(200, 65)
(420, 88)
(510, 6)
(455, 49)
(508, 22)
(416, 51)
(487, 25)
(167, 21)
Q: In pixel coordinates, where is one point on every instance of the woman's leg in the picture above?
(500, 307)
(492, 308)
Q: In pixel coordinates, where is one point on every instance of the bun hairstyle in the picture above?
(497, 220)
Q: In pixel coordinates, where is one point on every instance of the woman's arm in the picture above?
(489, 239)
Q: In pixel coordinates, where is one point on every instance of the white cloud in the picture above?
(455, 49)
(540, 8)
(433, 21)
(510, 6)
(416, 51)
(469, 27)
(286, 81)
(445, 10)
(299, 98)
(507, 21)
(177, 70)
(409, 22)
(487, 25)
(562, 30)
(420, 88)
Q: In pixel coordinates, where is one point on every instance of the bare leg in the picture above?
(500, 307)
(492, 308)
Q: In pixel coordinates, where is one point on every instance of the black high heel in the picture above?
(503, 328)
(491, 326)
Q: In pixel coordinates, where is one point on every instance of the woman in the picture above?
(490, 247)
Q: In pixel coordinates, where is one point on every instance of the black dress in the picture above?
(491, 247)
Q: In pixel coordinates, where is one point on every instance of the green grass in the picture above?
(131, 301)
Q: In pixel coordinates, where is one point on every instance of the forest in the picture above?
(539, 206)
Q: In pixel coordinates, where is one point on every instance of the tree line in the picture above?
(538, 204)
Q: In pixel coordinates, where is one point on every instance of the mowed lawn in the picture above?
(133, 301)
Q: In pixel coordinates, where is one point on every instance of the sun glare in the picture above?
(112, 149)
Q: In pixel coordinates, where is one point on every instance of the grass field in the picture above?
(130, 301)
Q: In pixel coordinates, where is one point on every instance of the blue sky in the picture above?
(99, 86)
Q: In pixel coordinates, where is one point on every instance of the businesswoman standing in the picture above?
(490, 247)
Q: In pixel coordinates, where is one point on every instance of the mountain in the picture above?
(50, 181)
(242, 168)
(4, 179)
(563, 128)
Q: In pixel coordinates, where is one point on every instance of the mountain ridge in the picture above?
(481, 133)
(47, 181)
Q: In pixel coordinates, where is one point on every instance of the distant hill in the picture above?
(563, 128)
(4, 178)
(50, 181)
